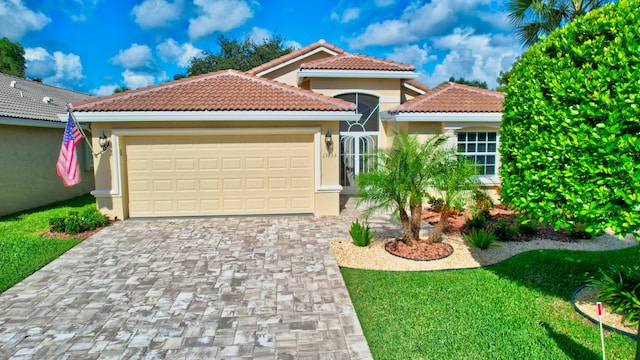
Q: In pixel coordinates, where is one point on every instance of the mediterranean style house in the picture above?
(287, 137)
(30, 138)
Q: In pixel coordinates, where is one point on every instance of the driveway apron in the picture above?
(257, 287)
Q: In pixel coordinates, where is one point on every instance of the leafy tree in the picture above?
(504, 77)
(12, 58)
(121, 89)
(535, 18)
(570, 133)
(476, 83)
(400, 179)
(240, 55)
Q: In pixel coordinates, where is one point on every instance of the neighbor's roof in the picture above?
(32, 100)
(454, 97)
(300, 53)
(348, 61)
(226, 90)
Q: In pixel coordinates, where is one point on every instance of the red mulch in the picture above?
(421, 250)
(456, 224)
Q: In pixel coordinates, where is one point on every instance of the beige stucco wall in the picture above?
(388, 90)
(114, 203)
(289, 74)
(29, 179)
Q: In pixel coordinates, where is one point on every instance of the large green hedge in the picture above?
(570, 134)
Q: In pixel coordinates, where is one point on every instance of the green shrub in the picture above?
(504, 231)
(619, 288)
(527, 227)
(477, 221)
(361, 234)
(569, 136)
(75, 222)
(481, 238)
(482, 203)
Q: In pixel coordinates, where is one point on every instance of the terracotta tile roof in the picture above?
(348, 61)
(418, 85)
(226, 90)
(454, 97)
(295, 54)
(31, 100)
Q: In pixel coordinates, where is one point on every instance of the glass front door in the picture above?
(356, 151)
(358, 139)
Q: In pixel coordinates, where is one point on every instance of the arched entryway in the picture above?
(358, 139)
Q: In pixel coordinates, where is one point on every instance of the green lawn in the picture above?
(518, 309)
(23, 250)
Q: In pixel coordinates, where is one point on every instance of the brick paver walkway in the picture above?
(261, 287)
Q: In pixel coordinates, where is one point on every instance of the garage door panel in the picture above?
(227, 175)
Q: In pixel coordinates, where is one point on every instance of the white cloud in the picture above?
(104, 90)
(16, 19)
(259, 35)
(473, 56)
(218, 15)
(138, 79)
(419, 21)
(348, 15)
(156, 13)
(58, 69)
(172, 52)
(136, 56)
(411, 54)
(293, 44)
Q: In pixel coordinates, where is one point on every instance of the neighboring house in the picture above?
(287, 137)
(30, 139)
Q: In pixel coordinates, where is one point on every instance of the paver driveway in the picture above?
(263, 287)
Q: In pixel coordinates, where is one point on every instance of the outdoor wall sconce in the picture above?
(104, 142)
(328, 140)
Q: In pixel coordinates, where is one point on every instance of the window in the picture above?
(368, 106)
(482, 148)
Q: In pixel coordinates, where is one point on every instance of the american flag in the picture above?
(67, 166)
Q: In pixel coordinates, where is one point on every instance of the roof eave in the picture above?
(296, 59)
(358, 74)
(165, 116)
(446, 116)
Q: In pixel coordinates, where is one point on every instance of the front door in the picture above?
(356, 150)
(358, 139)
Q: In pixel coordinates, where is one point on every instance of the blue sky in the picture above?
(94, 46)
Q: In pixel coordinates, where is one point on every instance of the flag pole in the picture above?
(86, 139)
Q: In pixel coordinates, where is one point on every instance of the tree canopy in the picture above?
(12, 58)
(570, 133)
(239, 55)
(476, 83)
(535, 18)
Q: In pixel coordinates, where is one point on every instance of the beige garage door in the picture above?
(224, 175)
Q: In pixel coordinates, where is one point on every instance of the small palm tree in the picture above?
(454, 183)
(399, 180)
(535, 18)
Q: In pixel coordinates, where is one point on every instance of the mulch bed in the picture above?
(420, 251)
(457, 224)
(424, 251)
(79, 236)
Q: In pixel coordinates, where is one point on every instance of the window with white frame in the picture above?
(480, 147)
